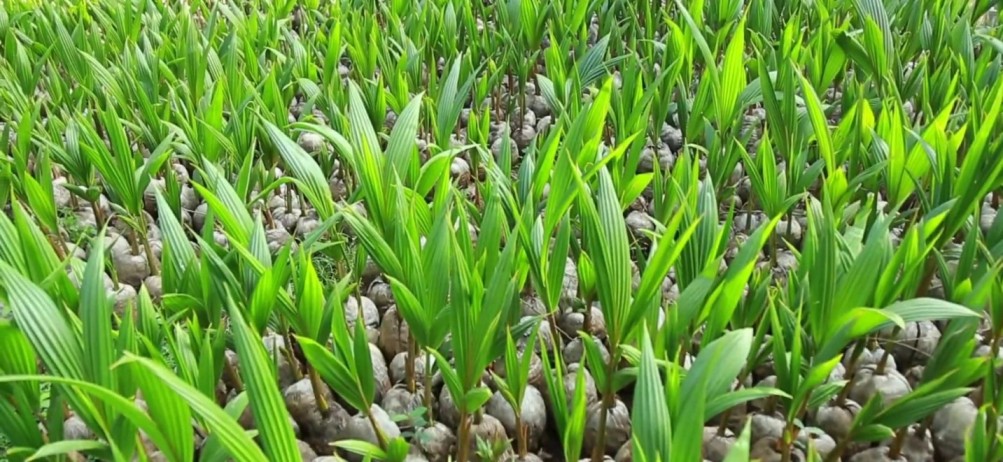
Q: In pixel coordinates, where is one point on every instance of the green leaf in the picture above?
(717, 365)
(733, 76)
(310, 180)
(873, 433)
(449, 376)
(213, 450)
(60, 448)
(50, 333)
(574, 431)
(362, 448)
(171, 413)
(819, 123)
(334, 371)
(853, 325)
(267, 405)
(226, 206)
(433, 170)
(216, 421)
(176, 242)
(605, 238)
(920, 403)
(95, 311)
(476, 398)
(724, 300)
(651, 427)
(123, 406)
(309, 299)
(40, 201)
(666, 252)
(740, 450)
(18, 357)
(721, 403)
(363, 364)
(929, 309)
(401, 151)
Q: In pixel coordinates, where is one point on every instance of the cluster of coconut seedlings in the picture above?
(518, 231)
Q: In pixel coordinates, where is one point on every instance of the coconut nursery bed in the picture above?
(501, 230)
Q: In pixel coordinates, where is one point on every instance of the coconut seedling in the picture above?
(110, 409)
(524, 23)
(266, 403)
(770, 186)
(660, 431)
(546, 242)
(392, 180)
(568, 413)
(863, 119)
(63, 357)
(348, 368)
(513, 388)
(481, 302)
(805, 389)
(605, 239)
(865, 321)
(39, 195)
(126, 175)
(24, 247)
(314, 315)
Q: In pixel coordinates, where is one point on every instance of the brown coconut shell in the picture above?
(618, 427)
